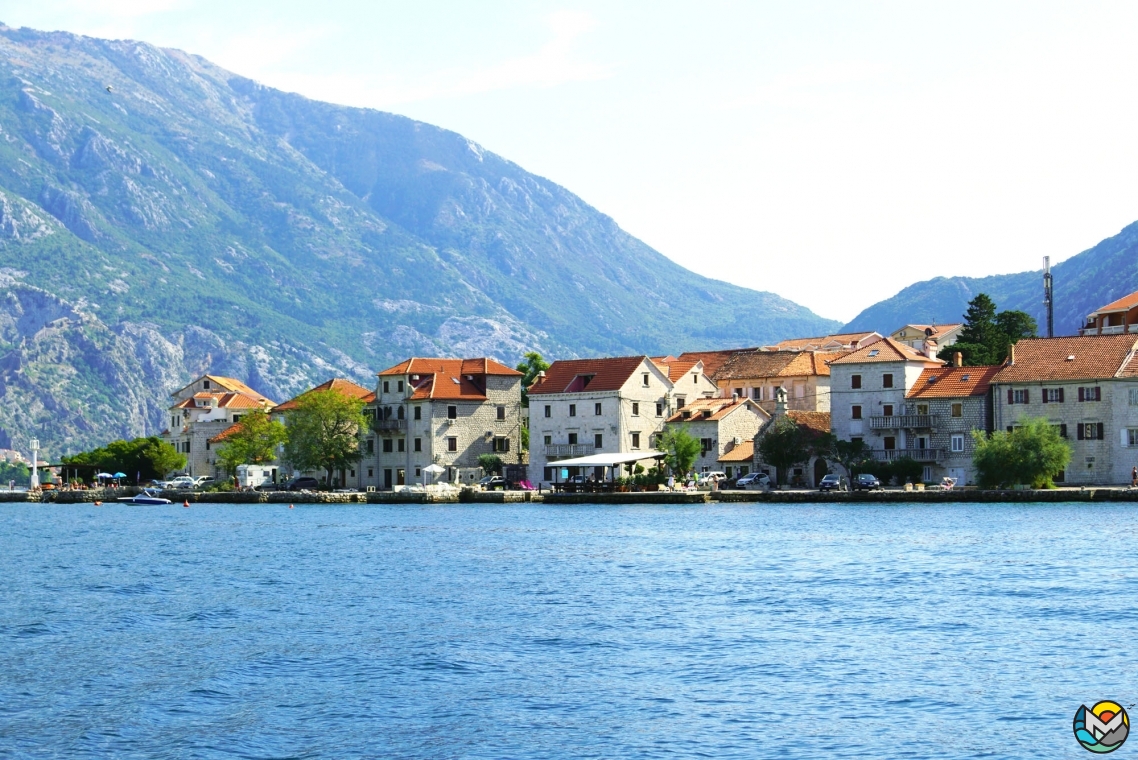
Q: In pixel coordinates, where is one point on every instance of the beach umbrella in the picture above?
(104, 475)
(120, 474)
(434, 469)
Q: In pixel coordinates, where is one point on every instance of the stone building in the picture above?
(757, 375)
(815, 424)
(445, 412)
(838, 342)
(867, 400)
(1087, 386)
(582, 407)
(942, 408)
(918, 336)
(721, 425)
(201, 411)
(689, 379)
(1119, 316)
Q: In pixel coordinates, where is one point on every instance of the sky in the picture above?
(831, 152)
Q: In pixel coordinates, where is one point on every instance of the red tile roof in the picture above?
(744, 452)
(675, 368)
(224, 401)
(713, 409)
(568, 375)
(345, 387)
(953, 382)
(1079, 357)
(712, 360)
(842, 339)
(1126, 303)
(423, 366)
(455, 379)
(815, 422)
(764, 364)
(224, 435)
(886, 350)
(938, 330)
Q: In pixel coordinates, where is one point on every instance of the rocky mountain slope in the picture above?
(160, 216)
(1081, 284)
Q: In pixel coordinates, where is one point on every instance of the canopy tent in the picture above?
(607, 460)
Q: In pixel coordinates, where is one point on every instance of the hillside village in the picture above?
(602, 417)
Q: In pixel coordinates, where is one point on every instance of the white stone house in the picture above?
(721, 425)
(581, 407)
(202, 410)
(1086, 387)
(867, 400)
(444, 412)
(943, 407)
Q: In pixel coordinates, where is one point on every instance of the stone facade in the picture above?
(201, 411)
(720, 425)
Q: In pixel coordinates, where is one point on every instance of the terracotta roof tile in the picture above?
(712, 360)
(818, 342)
(1079, 357)
(422, 366)
(1126, 303)
(953, 382)
(817, 422)
(938, 330)
(345, 387)
(885, 350)
(224, 435)
(763, 364)
(568, 375)
(744, 452)
(711, 409)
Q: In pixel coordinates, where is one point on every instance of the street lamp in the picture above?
(35, 481)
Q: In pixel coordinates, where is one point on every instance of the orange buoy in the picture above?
(290, 506)
(186, 503)
(98, 504)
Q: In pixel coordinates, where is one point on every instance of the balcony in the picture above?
(389, 426)
(570, 450)
(919, 455)
(898, 421)
(1109, 329)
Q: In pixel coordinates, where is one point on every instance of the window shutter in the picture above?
(1011, 396)
(1098, 393)
(1045, 393)
(1125, 438)
(1063, 431)
(1025, 395)
(1082, 394)
(1079, 428)
(1099, 432)
(1060, 395)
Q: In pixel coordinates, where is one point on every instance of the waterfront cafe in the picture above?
(605, 468)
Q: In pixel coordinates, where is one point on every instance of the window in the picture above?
(399, 386)
(958, 442)
(501, 413)
(501, 445)
(922, 408)
(236, 418)
(958, 409)
(636, 440)
(572, 439)
(887, 380)
(855, 412)
(644, 379)
(452, 412)
(855, 381)
(548, 410)
(548, 440)
(597, 409)
(205, 385)
(1090, 394)
(402, 445)
(635, 409)
(1018, 396)
(1132, 437)
(418, 413)
(705, 446)
(452, 444)
(386, 386)
(890, 443)
(856, 438)
(207, 444)
(387, 446)
(1090, 431)
(598, 441)
(757, 394)
(1134, 397)
(400, 413)
(572, 410)
(371, 445)
(371, 472)
(680, 401)
(887, 410)
(1053, 395)
(659, 410)
(418, 444)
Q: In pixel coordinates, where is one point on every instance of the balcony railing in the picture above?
(898, 421)
(570, 450)
(1109, 330)
(389, 426)
(919, 455)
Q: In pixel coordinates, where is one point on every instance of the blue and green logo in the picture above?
(1102, 728)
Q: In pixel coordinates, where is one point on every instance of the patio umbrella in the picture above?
(434, 469)
(120, 474)
(104, 475)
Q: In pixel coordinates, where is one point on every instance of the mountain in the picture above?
(160, 217)
(1080, 284)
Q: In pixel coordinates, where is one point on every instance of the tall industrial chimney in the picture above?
(1048, 301)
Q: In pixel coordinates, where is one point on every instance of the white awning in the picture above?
(607, 460)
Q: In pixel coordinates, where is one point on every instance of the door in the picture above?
(387, 479)
(401, 477)
(819, 470)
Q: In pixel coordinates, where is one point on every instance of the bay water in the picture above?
(478, 631)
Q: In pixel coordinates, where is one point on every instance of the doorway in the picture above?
(820, 470)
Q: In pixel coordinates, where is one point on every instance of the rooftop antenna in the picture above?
(1048, 300)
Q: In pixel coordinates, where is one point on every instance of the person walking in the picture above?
(1134, 478)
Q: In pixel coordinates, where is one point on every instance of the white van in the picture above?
(253, 475)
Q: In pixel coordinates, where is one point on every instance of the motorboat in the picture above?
(147, 496)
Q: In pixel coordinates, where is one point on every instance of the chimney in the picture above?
(541, 375)
(958, 359)
(930, 348)
(1012, 354)
(780, 402)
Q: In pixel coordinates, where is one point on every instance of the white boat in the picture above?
(148, 496)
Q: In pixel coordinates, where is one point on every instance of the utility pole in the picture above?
(1048, 299)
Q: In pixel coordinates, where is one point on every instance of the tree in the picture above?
(852, 455)
(17, 472)
(254, 441)
(143, 458)
(680, 447)
(532, 363)
(784, 444)
(986, 335)
(1031, 454)
(906, 469)
(490, 463)
(323, 432)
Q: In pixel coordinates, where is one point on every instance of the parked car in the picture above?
(182, 482)
(491, 482)
(754, 480)
(303, 483)
(833, 482)
(866, 482)
(205, 481)
(718, 477)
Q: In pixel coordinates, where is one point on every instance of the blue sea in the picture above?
(477, 631)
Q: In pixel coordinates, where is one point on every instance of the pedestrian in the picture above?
(1134, 478)
(672, 482)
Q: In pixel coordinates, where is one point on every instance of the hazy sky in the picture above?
(830, 152)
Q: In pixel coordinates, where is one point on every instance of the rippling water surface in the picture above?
(562, 632)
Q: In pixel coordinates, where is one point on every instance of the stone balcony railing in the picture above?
(1110, 330)
(898, 421)
(389, 426)
(919, 455)
(570, 450)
